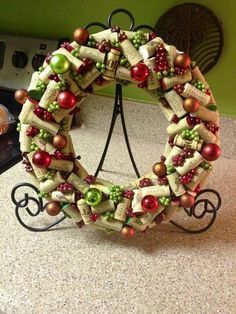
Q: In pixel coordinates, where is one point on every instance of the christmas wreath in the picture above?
(82, 67)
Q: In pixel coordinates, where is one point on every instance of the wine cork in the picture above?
(176, 103)
(203, 180)
(195, 145)
(80, 171)
(171, 54)
(152, 80)
(175, 128)
(76, 63)
(101, 188)
(44, 145)
(49, 95)
(196, 73)
(212, 99)
(94, 54)
(198, 176)
(174, 181)
(103, 207)
(25, 141)
(112, 224)
(50, 127)
(120, 213)
(74, 44)
(74, 88)
(149, 217)
(26, 110)
(148, 50)
(34, 81)
(72, 212)
(205, 134)
(85, 211)
(123, 73)
(174, 151)
(66, 122)
(169, 82)
(89, 77)
(130, 52)
(39, 173)
(62, 165)
(192, 91)
(206, 114)
(63, 197)
(136, 202)
(112, 61)
(45, 74)
(137, 224)
(51, 184)
(171, 210)
(77, 183)
(61, 114)
(106, 34)
(105, 83)
(167, 150)
(156, 190)
(103, 182)
(190, 163)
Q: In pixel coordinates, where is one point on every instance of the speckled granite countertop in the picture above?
(73, 270)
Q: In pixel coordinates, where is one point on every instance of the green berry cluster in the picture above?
(49, 175)
(42, 194)
(18, 128)
(190, 135)
(124, 62)
(115, 43)
(43, 134)
(170, 169)
(77, 77)
(91, 42)
(164, 201)
(123, 82)
(53, 107)
(101, 67)
(139, 39)
(61, 85)
(193, 64)
(199, 85)
(41, 69)
(160, 75)
(75, 52)
(108, 215)
(206, 166)
(115, 193)
(40, 86)
(33, 146)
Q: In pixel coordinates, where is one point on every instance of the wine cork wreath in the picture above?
(90, 62)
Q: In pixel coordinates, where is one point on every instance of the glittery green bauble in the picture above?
(93, 197)
(59, 64)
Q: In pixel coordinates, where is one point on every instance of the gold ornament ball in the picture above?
(159, 169)
(127, 232)
(191, 104)
(81, 35)
(186, 200)
(59, 141)
(182, 60)
(53, 208)
(21, 96)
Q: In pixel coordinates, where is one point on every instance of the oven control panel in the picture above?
(20, 57)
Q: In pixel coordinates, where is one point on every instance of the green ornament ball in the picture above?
(93, 197)
(59, 64)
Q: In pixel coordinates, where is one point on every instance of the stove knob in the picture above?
(37, 61)
(19, 59)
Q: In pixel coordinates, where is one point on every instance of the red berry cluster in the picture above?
(128, 194)
(65, 187)
(26, 163)
(54, 77)
(171, 141)
(94, 217)
(48, 58)
(197, 189)
(192, 121)
(43, 114)
(159, 218)
(152, 35)
(100, 80)
(122, 36)
(90, 179)
(179, 88)
(188, 177)
(174, 118)
(145, 182)
(143, 84)
(212, 127)
(58, 155)
(78, 195)
(179, 70)
(104, 45)
(129, 212)
(179, 159)
(86, 66)
(162, 181)
(32, 131)
(67, 46)
(162, 64)
(115, 29)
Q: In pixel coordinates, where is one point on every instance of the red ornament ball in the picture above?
(139, 72)
(191, 104)
(127, 232)
(186, 200)
(21, 96)
(211, 151)
(182, 60)
(53, 208)
(81, 35)
(66, 99)
(41, 159)
(150, 203)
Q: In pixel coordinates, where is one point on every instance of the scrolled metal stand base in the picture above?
(23, 204)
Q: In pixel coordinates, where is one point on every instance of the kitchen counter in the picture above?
(72, 270)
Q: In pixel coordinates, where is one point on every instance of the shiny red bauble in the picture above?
(127, 232)
(211, 151)
(139, 72)
(66, 100)
(182, 60)
(150, 203)
(81, 35)
(41, 159)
